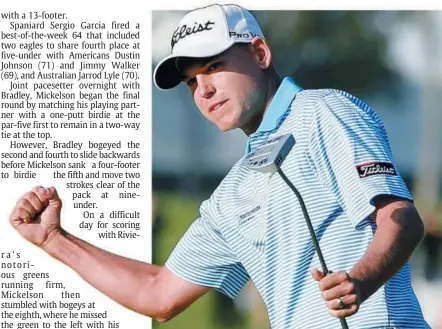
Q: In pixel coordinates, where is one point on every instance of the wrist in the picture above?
(365, 286)
(53, 240)
(361, 295)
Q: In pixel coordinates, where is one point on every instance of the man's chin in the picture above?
(226, 128)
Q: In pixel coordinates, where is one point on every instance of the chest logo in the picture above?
(245, 217)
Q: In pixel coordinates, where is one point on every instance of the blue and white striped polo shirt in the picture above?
(252, 227)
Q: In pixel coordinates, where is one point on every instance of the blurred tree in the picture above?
(332, 49)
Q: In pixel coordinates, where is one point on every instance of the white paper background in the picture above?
(11, 189)
(139, 248)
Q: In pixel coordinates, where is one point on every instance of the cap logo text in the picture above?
(242, 35)
(184, 31)
(376, 168)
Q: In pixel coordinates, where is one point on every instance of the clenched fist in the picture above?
(339, 292)
(36, 215)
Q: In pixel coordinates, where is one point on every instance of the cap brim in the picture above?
(166, 74)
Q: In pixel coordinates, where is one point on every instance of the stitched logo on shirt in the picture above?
(376, 168)
(244, 218)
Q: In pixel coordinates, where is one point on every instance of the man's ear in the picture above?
(261, 52)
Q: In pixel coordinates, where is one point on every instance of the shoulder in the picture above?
(340, 101)
(302, 111)
(309, 105)
(317, 104)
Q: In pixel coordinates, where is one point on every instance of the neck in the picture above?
(272, 86)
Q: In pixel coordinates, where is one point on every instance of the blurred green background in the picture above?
(390, 59)
(174, 214)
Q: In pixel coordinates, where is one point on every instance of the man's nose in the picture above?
(205, 86)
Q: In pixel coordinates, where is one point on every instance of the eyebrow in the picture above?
(183, 63)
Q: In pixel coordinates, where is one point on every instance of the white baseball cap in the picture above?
(205, 32)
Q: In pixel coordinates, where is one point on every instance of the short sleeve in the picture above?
(203, 257)
(350, 151)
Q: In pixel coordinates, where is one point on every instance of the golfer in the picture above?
(252, 227)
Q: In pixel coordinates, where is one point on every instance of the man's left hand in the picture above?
(339, 292)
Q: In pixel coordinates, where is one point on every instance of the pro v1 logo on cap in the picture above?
(250, 35)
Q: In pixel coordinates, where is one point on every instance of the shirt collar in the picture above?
(278, 106)
(280, 103)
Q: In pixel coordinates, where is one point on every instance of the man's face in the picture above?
(229, 89)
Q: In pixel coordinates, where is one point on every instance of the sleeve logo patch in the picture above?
(376, 168)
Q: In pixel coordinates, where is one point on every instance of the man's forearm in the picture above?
(129, 282)
(397, 235)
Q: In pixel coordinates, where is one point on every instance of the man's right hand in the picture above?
(36, 215)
